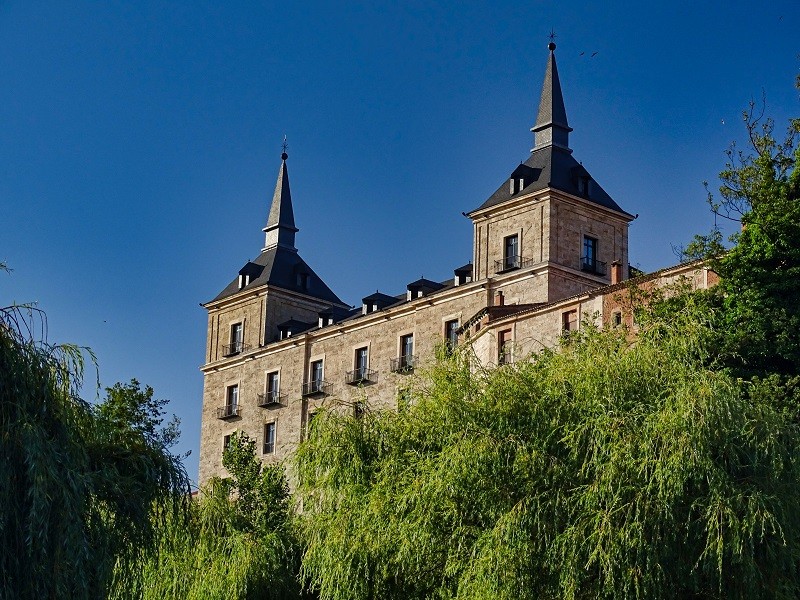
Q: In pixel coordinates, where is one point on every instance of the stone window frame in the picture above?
(267, 373)
(505, 347)
(446, 320)
(274, 423)
(404, 333)
(587, 231)
(356, 347)
(227, 386)
(509, 261)
(565, 321)
(241, 319)
(313, 359)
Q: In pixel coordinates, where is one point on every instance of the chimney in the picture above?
(616, 272)
(498, 298)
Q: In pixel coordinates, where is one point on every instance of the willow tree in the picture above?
(599, 469)
(80, 485)
(236, 544)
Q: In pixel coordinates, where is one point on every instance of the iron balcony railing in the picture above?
(403, 364)
(234, 348)
(591, 265)
(509, 263)
(316, 387)
(228, 411)
(271, 399)
(362, 375)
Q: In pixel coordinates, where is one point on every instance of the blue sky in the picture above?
(140, 143)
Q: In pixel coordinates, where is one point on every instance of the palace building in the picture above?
(549, 246)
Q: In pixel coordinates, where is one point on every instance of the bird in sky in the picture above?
(594, 53)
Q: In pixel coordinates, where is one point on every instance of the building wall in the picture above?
(528, 217)
(335, 344)
(550, 229)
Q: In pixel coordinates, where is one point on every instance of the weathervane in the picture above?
(552, 36)
(285, 147)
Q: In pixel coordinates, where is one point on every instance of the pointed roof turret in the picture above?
(551, 128)
(280, 227)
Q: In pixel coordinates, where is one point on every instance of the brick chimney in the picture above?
(498, 298)
(616, 272)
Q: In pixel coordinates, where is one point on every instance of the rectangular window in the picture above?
(226, 441)
(236, 337)
(407, 350)
(309, 421)
(569, 321)
(232, 398)
(361, 363)
(269, 438)
(316, 375)
(589, 253)
(273, 386)
(504, 347)
(451, 334)
(358, 410)
(511, 252)
(616, 318)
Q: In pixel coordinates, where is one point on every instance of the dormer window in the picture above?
(244, 280)
(303, 280)
(584, 186)
(463, 275)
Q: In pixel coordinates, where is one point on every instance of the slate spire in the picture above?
(551, 128)
(280, 227)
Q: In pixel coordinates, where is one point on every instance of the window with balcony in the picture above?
(405, 362)
(272, 396)
(236, 340)
(269, 438)
(231, 408)
(511, 252)
(589, 261)
(315, 384)
(361, 372)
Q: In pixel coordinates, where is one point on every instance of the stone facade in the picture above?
(550, 249)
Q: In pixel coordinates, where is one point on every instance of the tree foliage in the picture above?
(758, 300)
(597, 470)
(78, 483)
(236, 544)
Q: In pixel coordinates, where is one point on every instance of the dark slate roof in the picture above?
(281, 213)
(296, 326)
(425, 284)
(551, 167)
(467, 268)
(552, 111)
(382, 300)
(279, 267)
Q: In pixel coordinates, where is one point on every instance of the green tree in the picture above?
(237, 543)
(597, 470)
(757, 303)
(78, 483)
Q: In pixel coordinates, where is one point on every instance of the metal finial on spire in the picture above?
(552, 45)
(285, 147)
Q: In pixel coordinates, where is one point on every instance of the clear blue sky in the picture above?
(140, 142)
